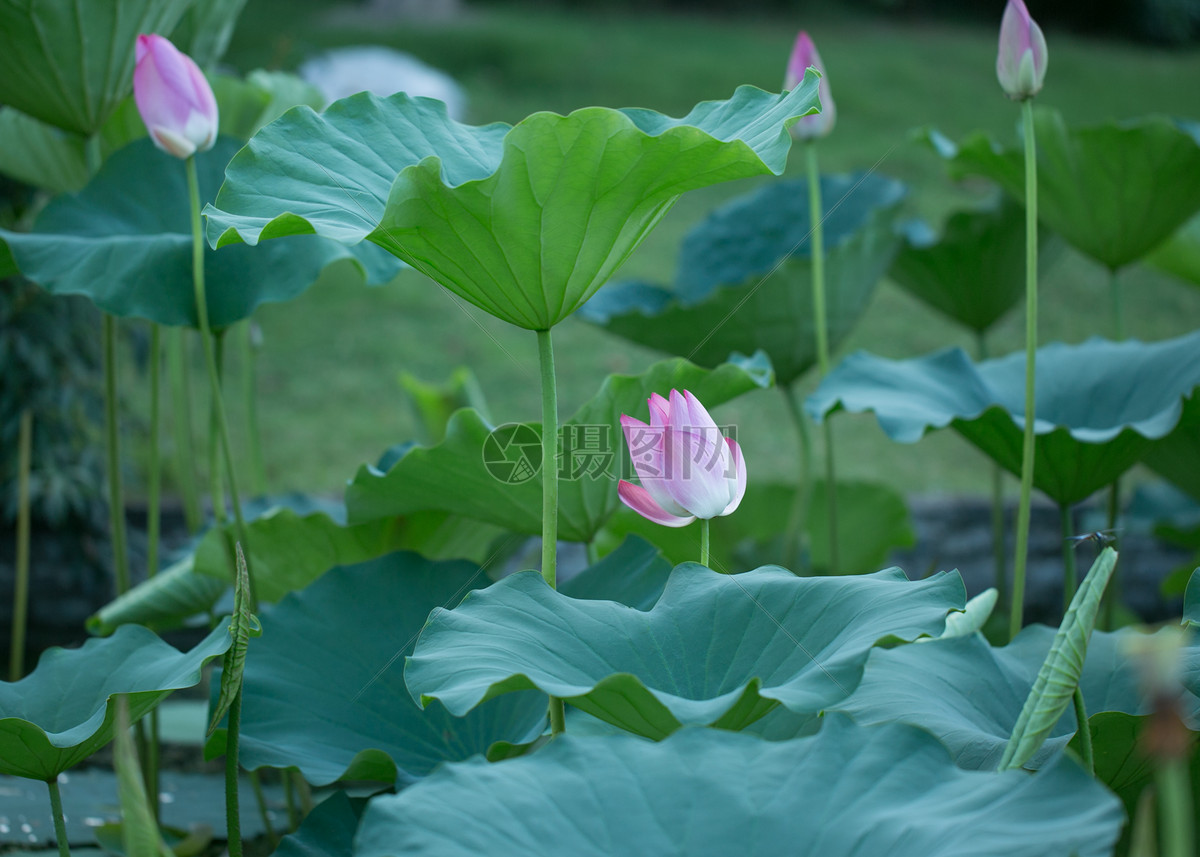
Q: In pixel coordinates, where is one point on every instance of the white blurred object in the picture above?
(383, 71)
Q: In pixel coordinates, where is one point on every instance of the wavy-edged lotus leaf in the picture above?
(1114, 191)
(464, 475)
(1100, 404)
(847, 791)
(716, 649)
(65, 710)
(974, 271)
(1180, 254)
(744, 279)
(525, 222)
(873, 520)
(163, 602)
(125, 241)
(970, 694)
(70, 64)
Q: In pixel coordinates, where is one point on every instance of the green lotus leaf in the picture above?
(716, 649)
(327, 831)
(163, 602)
(1113, 191)
(206, 28)
(847, 791)
(526, 221)
(125, 242)
(1100, 405)
(873, 520)
(744, 279)
(70, 64)
(970, 694)
(1191, 599)
(974, 271)
(1180, 254)
(1176, 457)
(454, 477)
(65, 710)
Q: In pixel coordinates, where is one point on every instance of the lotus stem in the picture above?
(795, 535)
(1017, 614)
(258, 471)
(153, 510)
(1070, 575)
(233, 823)
(558, 722)
(116, 502)
(549, 458)
(152, 764)
(210, 360)
(1084, 729)
(215, 486)
(816, 214)
(1001, 570)
(704, 541)
(1173, 784)
(60, 821)
(264, 813)
(181, 427)
(289, 796)
(16, 656)
(1118, 304)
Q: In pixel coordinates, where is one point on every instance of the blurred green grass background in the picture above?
(328, 395)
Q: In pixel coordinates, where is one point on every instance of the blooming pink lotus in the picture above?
(804, 54)
(1021, 61)
(687, 468)
(174, 98)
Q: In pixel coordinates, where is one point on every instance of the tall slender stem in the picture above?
(795, 535)
(816, 215)
(1001, 564)
(60, 821)
(216, 486)
(16, 656)
(1177, 820)
(1113, 593)
(1118, 304)
(1070, 574)
(1017, 615)
(211, 362)
(181, 427)
(1084, 729)
(116, 502)
(233, 823)
(153, 510)
(558, 722)
(264, 812)
(704, 541)
(549, 458)
(258, 472)
(152, 766)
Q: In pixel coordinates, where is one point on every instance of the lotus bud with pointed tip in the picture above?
(687, 468)
(1021, 61)
(804, 54)
(173, 98)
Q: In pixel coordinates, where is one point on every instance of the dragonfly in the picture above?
(1100, 537)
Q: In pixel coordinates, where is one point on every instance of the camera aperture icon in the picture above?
(512, 453)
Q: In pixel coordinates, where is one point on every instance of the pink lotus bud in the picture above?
(1021, 61)
(804, 54)
(688, 469)
(174, 98)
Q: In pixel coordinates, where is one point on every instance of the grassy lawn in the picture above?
(328, 393)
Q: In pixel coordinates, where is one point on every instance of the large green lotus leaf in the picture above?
(1176, 457)
(526, 221)
(716, 649)
(744, 279)
(1099, 404)
(847, 791)
(65, 710)
(125, 242)
(1114, 191)
(453, 477)
(163, 602)
(974, 272)
(969, 694)
(873, 520)
(327, 831)
(1180, 254)
(70, 63)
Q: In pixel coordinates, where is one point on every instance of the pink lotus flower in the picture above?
(687, 468)
(174, 98)
(804, 54)
(1021, 61)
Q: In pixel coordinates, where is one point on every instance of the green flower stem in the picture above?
(558, 714)
(549, 458)
(795, 535)
(1017, 614)
(215, 485)
(233, 822)
(289, 795)
(116, 502)
(704, 541)
(152, 765)
(210, 360)
(60, 821)
(1085, 733)
(181, 428)
(1177, 823)
(16, 649)
(1070, 574)
(258, 472)
(816, 214)
(153, 511)
(1118, 305)
(1001, 570)
(264, 814)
